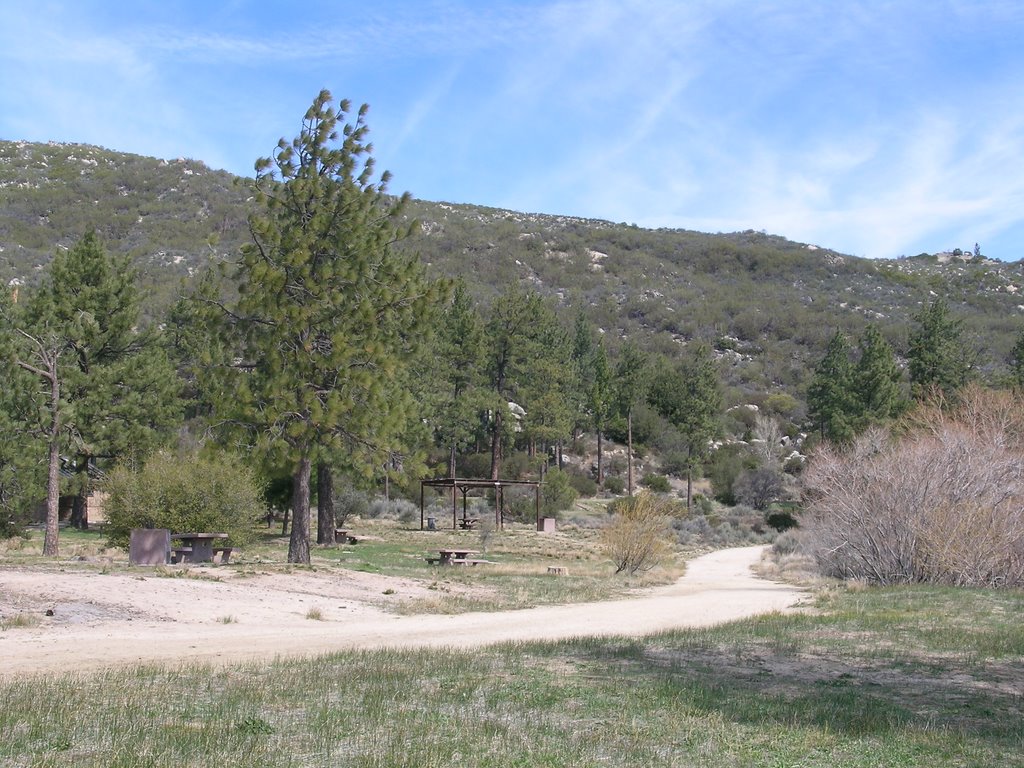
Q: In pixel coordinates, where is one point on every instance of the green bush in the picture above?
(657, 483)
(675, 463)
(724, 467)
(520, 504)
(557, 492)
(614, 484)
(781, 520)
(702, 504)
(184, 493)
(582, 483)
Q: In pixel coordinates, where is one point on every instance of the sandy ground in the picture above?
(104, 620)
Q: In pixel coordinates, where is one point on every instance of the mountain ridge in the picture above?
(766, 304)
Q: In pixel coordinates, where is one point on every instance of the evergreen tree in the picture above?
(546, 385)
(1017, 363)
(327, 314)
(22, 483)
(830, 396)
(106, 389)
(937, 358)
(582, 356)
(509, 347)
(119, 379)
(457, 371)
(33, 410)
(631, 381)
(688, 397)
(876, 379)
(599, 401)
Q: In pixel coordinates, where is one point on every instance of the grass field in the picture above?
(895, 677)
(865, 677)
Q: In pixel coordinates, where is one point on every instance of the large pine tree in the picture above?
(457, 370)
(106, 389)
(830, 396)
(328, 314)
(510, 334)
(689, 397)
(120, 379)
(546, 385)
(631, 382)
(876, 380)
(937, 358)
(599, 400)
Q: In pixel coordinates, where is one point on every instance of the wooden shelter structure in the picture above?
(465, 485)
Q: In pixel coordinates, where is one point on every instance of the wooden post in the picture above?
(497, 505)
(536, 506)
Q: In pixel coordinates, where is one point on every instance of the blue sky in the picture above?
(874, 128)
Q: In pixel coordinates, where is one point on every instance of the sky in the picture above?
(877, 128)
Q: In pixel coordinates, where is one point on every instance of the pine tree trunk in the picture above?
(298, 545)
(80, 504)
(325, 520)
(50, 546)
(50, 539)
(600, 458)
(80, 512)
(629, 452)
(691, 461)
(496, 448)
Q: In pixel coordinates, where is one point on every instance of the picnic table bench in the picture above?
(455, 557)
(199, 548)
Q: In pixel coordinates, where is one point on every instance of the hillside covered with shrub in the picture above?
(766, 305)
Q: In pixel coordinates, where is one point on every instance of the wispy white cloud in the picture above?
(871, 127)
(425, 103)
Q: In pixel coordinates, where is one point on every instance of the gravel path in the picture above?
(109, 620)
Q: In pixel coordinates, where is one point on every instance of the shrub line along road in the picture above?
(718, 587)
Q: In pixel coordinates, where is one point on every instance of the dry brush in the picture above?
(941, 501)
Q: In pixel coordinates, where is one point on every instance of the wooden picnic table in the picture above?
(455, 556)
(199, 547)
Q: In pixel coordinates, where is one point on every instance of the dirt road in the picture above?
(104, 620)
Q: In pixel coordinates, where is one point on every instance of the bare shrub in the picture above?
(759, 487)
(787, 543)
(639, 535)
(485, 529)
(767, 443)
(402, 510)
(350, 503)
(942, 503)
